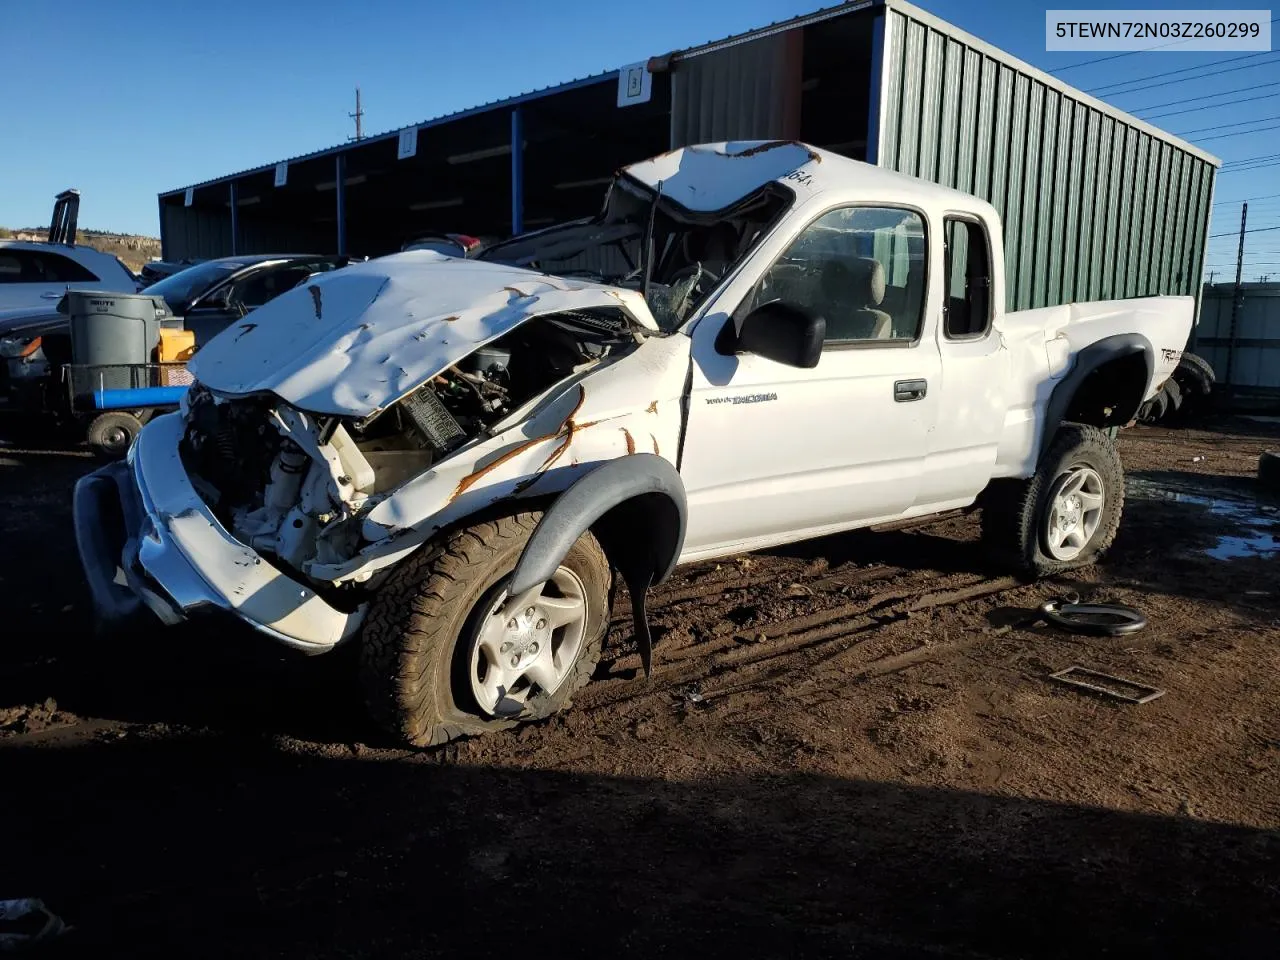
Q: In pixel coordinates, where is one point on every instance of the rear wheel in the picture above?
(1067, 514)
(447, 652)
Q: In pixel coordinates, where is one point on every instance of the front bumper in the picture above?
(148, 542)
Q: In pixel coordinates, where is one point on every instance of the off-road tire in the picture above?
(1014, 511)
(1159, 407)
(413, 668)
(109, 434)
(1194, 370)
(1195, 377)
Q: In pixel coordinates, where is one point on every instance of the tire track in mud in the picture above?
(736, 662)
(824, 663)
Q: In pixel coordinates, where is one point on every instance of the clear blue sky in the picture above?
(125, 99)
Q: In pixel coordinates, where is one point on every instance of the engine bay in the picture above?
(293, 486)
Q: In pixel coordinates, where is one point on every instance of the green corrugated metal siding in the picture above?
(1094, 206)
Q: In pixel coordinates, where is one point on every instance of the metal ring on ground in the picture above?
(1099, 619)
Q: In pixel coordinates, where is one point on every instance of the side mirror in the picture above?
(778, 331)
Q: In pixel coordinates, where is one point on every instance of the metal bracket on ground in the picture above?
(1130, 691)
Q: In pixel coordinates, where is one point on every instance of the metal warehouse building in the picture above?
(1096, 203)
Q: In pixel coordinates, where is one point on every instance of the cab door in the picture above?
(775, 453)
(973, 386)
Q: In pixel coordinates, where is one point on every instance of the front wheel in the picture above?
(447, 652)
(1067, 514)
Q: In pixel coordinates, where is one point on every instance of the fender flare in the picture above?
(1089, 359)
(638, 509)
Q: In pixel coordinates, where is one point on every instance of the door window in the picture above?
(967, 306)
(266, 285)
(31, 266)
(860, 268)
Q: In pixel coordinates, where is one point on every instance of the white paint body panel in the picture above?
(768, 453)
(352, 341)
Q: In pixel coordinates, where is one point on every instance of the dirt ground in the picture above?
(849, 747)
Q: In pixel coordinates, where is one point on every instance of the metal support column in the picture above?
(340, 191)
(879, 28)
(517, 171)
(1237, 296)
(164, 233)
(235, 219)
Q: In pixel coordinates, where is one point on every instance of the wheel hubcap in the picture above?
(528, 644)
(1075, 511)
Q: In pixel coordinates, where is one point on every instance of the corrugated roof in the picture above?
(519, 98)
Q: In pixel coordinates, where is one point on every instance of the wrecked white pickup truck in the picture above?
(447, 460)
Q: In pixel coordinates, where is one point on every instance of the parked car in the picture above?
(446, 461)
(211, 294)
(35, 274)
(156, 270)
(450, 244)
(206, 297)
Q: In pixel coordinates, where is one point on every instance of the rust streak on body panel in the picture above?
(655, 443)
(471, 478)
(566, 429)
(652, 408)
(631, 441)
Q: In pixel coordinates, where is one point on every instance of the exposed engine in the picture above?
(293, 486)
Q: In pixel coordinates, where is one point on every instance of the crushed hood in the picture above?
(714, 176)
(355, 340)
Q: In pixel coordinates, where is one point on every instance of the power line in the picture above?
(1207, 96)
(1223, 126)
(1239, 133)
(1256, 166)
(1236, 233)
(1213, 106)
(1169, 73)
(1266, 196)
(1264, 156)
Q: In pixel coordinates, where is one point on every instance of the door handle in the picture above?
(905, 391)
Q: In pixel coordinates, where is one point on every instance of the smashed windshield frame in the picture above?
(692, 252)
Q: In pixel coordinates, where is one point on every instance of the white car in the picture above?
(34, 274)
(447, 460)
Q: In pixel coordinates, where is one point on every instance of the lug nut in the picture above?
(511, 624)
(515, 661)
(529, 612)
(505, 648)
(533, 647)
(542, 624)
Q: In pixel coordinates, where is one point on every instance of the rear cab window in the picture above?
(966, 306)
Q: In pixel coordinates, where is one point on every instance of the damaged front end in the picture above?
(291, 518)
(296, 486)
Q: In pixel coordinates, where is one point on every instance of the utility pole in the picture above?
(357, 116)
(1238, 296)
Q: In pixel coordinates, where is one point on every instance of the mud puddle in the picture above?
(1248, 526)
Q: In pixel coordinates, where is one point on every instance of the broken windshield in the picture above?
(692, 252)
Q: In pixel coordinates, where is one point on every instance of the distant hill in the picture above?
(132, 249)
